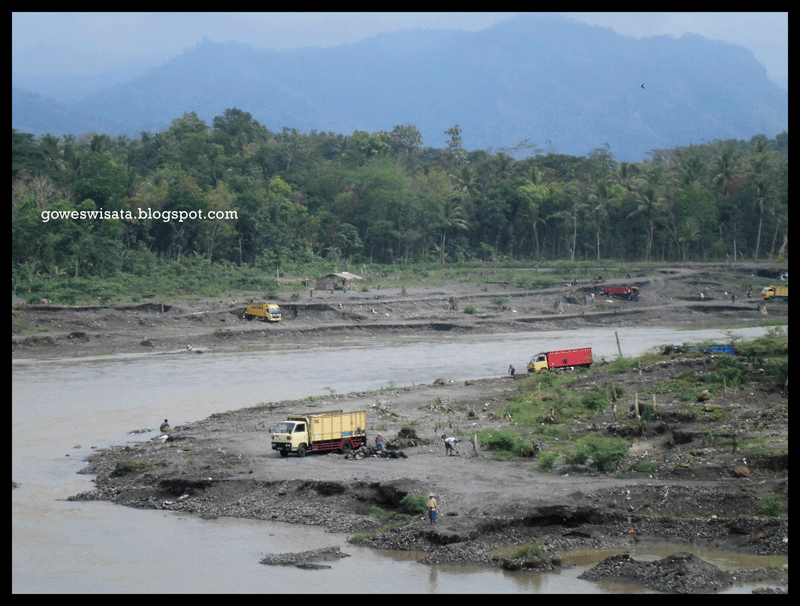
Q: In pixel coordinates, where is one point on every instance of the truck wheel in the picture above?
(346, 447)
(301, 450)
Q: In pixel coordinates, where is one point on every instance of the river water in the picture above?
(63, 408)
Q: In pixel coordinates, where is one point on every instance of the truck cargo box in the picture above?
(563, 358)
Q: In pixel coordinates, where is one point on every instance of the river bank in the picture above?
(221, 466)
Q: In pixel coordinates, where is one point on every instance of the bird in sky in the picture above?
(643, 86)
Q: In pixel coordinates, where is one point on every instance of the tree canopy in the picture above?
(379, 197)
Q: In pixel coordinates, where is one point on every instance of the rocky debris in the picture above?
(678, 573)
(682, 573)
(308, 560)
(368, 451)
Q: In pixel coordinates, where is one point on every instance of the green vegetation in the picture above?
(772, 505)
(532, 551)
(504, 443)
(540, 409)
(128, 466)
(96, 218)
(605, 454)
(411, 506)
(414, 504)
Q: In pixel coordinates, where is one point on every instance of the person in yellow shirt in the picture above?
(432, 515)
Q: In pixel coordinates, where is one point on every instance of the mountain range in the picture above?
(550, 81)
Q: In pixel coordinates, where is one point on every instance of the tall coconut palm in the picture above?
(724, 169)
(598, 205)
(650, 204)
(758, 176)
(452, 218)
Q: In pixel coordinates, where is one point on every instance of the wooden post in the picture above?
(636, 405)
(619, 349)
(475, 444)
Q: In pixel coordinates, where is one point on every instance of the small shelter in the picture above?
(337, 281)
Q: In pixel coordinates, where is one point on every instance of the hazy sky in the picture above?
(92, 43)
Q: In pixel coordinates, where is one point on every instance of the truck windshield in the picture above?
(284, 427)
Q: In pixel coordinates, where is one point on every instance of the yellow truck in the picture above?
(268, 312)
(775, 292)
(320, 432)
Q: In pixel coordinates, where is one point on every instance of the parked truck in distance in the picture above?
(268, 312)
(622, 292)
(550, 360)
(319, 432)
(775, 292)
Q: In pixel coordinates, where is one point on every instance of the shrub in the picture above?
(546, 462)
(469, 309)
(606, 453)
(770, 505)
(414, 503)
(595, 400)
(505, 444)
(732, 371)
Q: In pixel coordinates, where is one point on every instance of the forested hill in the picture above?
(562, 86)
(101, 206)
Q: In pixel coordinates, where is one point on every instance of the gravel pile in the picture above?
(678, 573)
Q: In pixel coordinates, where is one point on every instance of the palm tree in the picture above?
(650, 204)
(453, 217)
(757, 174)
(598, 204)
(724, 169)
(466, 182)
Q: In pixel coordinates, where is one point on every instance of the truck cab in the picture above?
(538, 363)
(290, 436)
(267, 312)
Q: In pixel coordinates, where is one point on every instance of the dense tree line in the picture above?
(382, 197)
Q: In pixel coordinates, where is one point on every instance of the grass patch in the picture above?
(129, 466)
(530, 551)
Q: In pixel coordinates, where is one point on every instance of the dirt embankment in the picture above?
(668, 298)
(699, 487)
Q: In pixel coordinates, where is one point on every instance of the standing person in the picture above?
(431, 505)
(449, 444)
(510, 370)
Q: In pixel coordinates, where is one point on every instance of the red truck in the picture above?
(549, 360)
(622, 292)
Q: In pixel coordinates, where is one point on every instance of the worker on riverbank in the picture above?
(449, 444)
(432, 509)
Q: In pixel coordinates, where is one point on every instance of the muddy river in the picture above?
(63, 408)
